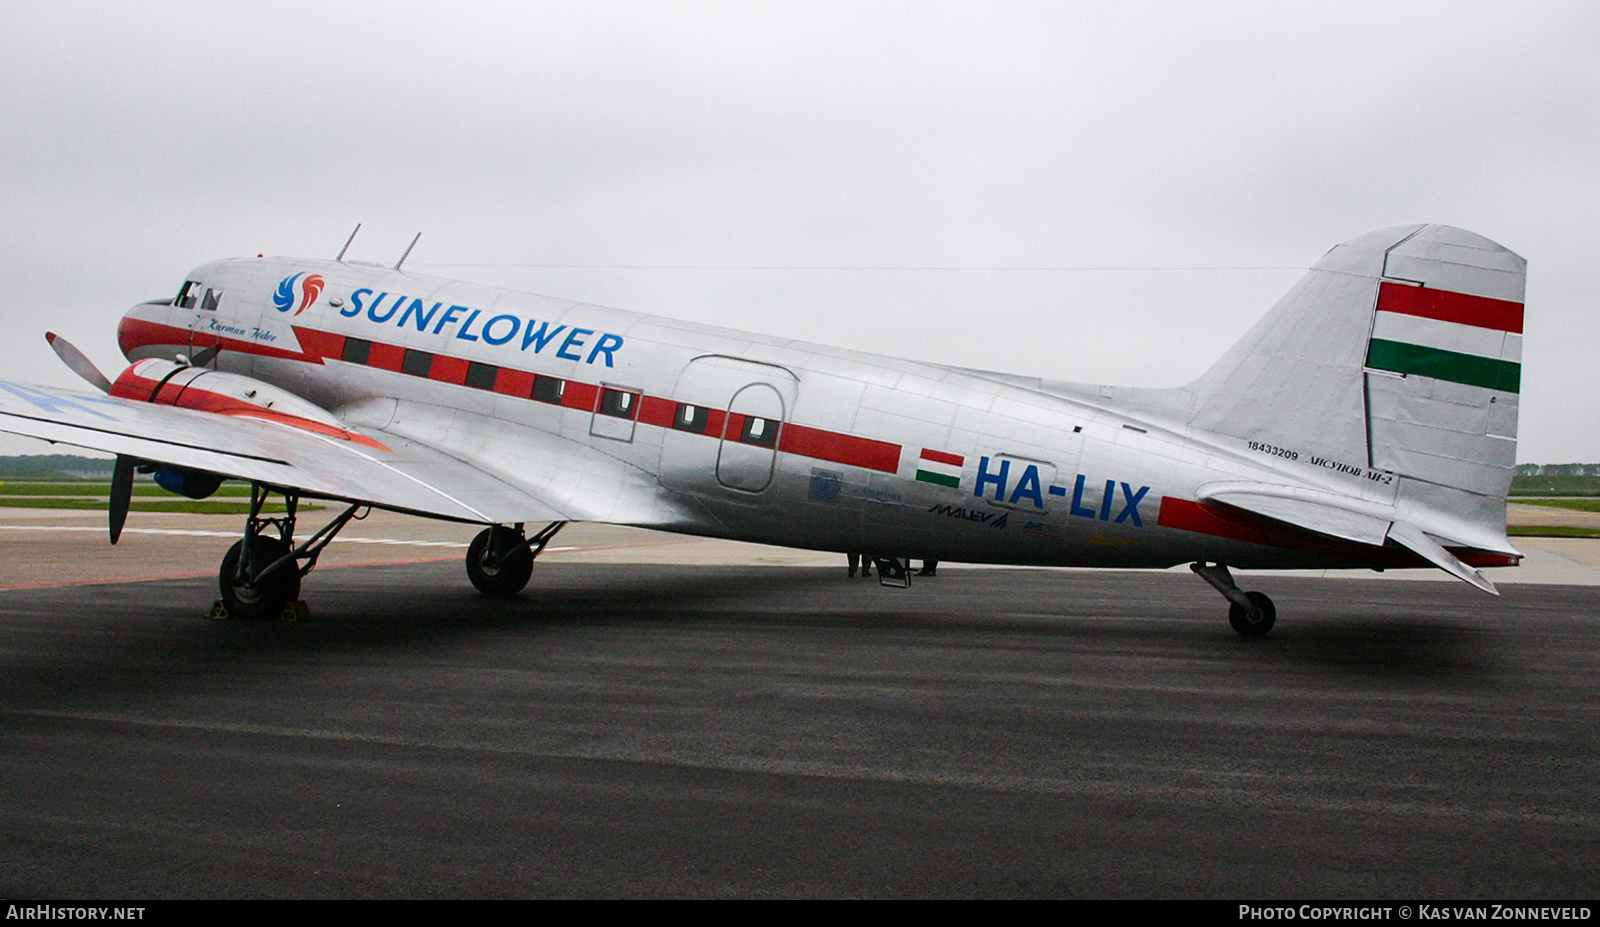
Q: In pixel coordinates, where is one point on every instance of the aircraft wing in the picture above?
(382, 469)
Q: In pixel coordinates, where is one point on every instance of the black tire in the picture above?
(1256, 621)
(509, 576)
(263, 601)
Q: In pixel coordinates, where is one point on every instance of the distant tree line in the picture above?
(53, 465)
(1567, 469)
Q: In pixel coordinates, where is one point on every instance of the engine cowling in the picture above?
(168, 383)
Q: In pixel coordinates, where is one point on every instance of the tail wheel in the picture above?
(264, 598)
(1255, 620)
(499, 562)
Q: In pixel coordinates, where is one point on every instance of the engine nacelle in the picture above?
(167, 383)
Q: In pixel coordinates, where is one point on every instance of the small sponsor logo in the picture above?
(826, 484)
(882, 497)
(1041, 529)
(992, 519)
(309, 289)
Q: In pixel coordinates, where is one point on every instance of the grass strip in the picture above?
(1552, 531)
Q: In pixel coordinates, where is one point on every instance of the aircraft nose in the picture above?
(146, 330)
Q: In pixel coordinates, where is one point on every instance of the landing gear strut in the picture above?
(500, 559)
(1251, 613)
(261, 573)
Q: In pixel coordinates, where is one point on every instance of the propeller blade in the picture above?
(121, 494)
(81, 365)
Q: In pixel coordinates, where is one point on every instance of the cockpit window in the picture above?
(187, 294)
(210, 301)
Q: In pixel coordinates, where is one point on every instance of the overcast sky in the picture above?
(1102, 192)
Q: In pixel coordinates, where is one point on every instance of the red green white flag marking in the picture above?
(940, 468)
(1465, 339)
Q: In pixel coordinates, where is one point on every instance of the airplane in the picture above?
(1368, 421)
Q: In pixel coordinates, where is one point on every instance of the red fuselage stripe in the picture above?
(136, 333)
(317, 346)
(1238, 525)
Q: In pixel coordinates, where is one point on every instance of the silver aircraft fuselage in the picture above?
(631, 419)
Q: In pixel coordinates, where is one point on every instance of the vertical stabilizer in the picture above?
(1400, 350)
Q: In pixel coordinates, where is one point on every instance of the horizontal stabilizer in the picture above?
(1414, 540)
(1340, 516)
(1345, 517)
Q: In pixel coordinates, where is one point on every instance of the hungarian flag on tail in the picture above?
(1471, 340)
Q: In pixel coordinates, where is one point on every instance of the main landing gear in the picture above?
(261, 574)
(1251, 613)
(500, 559)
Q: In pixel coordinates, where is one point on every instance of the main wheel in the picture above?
(506, 574)
(1256, 620)
(263, 600)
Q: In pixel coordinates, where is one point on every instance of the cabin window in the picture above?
(618, 403)
(691, 418)
(762, 432)
(481, 376)
(356, 351)
(548, 389)
(417, 363)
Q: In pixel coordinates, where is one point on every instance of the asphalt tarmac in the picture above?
(657, 717)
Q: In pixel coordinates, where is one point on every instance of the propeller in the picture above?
(81, 365)
(122, 475)
(121, 494)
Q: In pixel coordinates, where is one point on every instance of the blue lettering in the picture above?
(1106, 499)
(465, 334)
(541, 337)
(573, 341)
(1077, 498)
(448, 317)
(605, 345)
(372, 310)
(422, 320)
(1130, 506)
(1028, 488)
(492, 338)
(998, 479)
(355, 303)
